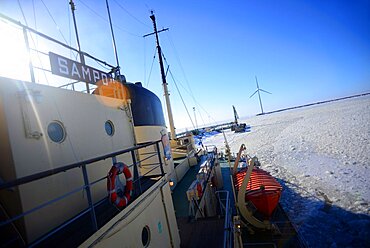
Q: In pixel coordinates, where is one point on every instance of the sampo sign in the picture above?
(65, 67)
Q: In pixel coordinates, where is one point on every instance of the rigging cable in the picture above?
(151, 67)
(184, 74)
(196, 102)
(69, 32)
(70, 42)
(183, 102)
(178, 90)
(144, 48)
(144, 59)
(201, 117)
(71, 52)
(199, 105)
(134, 17)
(179, 62)
(35, 24)
(102, 64)
(34, 18)
(103, 18)
(33, 41)
(51, 16)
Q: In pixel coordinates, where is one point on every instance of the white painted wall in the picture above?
(83, 117)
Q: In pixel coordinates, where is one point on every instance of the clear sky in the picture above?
(301, 51)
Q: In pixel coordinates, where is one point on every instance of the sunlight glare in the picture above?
(14, 57)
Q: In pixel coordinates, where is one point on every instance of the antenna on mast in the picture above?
(82, 58)
(117, 69)
(164, 82)
(259, 96)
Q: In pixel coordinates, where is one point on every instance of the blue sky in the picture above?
(301, 51)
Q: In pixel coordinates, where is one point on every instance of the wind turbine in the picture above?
(259, 96)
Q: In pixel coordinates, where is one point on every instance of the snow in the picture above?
(320, 154)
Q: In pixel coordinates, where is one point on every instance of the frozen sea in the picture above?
(321, 155)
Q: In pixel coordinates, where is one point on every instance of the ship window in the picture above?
(109, 128)
(145, 236)
(56, 132)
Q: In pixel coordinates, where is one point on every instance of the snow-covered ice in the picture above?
(321, 154)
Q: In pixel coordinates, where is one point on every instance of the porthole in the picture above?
(56, 132)
(109, 128)
(145, 236)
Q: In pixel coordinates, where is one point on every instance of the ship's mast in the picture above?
(164, 82)
(117, 69)
(82, 58)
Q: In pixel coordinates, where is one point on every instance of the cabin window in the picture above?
(56, 132)
(145, 236)
(109, 128)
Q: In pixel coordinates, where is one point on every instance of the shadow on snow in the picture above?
(321, 224)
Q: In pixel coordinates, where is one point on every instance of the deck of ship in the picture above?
(204, 232)
(284, 235)
(208, 232)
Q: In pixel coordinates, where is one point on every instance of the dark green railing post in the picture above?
(136, 172)
(89, 198)
(159, 157)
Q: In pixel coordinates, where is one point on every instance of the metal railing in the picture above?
(27, 32)
(210, 163)
(86, 187)
(226, 211)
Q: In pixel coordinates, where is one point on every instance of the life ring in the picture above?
(117, 168)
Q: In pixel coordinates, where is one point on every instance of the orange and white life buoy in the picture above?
(117, 168)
